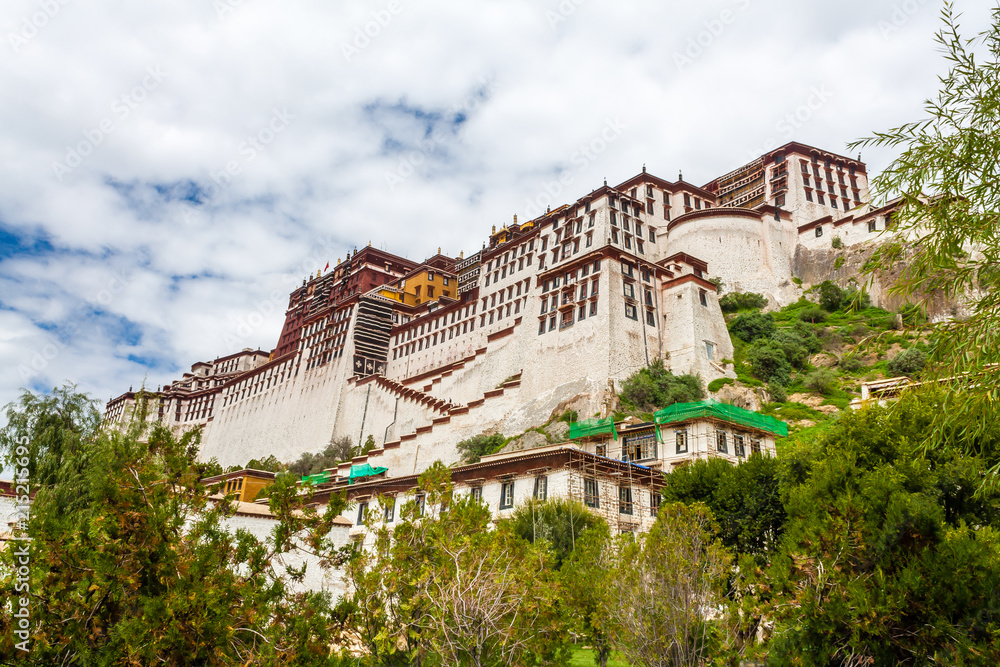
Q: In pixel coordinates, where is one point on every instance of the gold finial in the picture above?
(515, 218)
(338, 261)
(494, 229)
(369, 243)
(439, 250)
(319, 272)
(461, 254)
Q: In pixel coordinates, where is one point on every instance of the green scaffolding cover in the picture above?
(592, 427)
(318, 478)
(366, 470)
(683, 411)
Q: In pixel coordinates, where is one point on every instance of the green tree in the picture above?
(768, 361)
(584, 582)
(744, 499)
(735, 301)
(830, 296)
(474, 448)
(748, 327)
(907, 362)
(559, 522)
(661, 587)
(889, 557)
(655, 387)
(131, 562)
(945, 229)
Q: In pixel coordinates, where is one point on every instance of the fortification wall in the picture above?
(751, 252)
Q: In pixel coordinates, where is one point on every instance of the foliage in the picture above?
(836, 242)
(777, 392)
(734, 301)
(132, 563)
(655, 387)
(830, 296)
(744, 500)
(946, 225)
(558, 522)
(907, 362)
(474, 448)
(889, 557)
(813, 314)
(821, 380)
(583, 582)
(447, 588)
(662, 586)
(748, 327)
(310, 464)
(369, 444)
(797, 343)
(718, 383)
(270, 464)
(570, 416)
(768, 362)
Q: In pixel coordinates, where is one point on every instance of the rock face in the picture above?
(529, 440)
(844, 266)
(749, 398)
(823, 360)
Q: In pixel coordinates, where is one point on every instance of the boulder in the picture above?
(558, 431)
(749, 398)
(823, 360)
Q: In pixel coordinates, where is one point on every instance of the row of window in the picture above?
(417, 331)
(569, 316)
(592, 497)
(571, 275)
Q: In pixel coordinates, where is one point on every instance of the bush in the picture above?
(559, 521)
(821, 380)
(837, 263)
(716, 385)
(912, 314)
(813, 314)
(851, 364)
(655, 387)
(311, 464)
(856, 300)
(798, 342)
(908, 362)
(570, 416)
(478, 446)
(836, 242)
(768, 362)
(777, 392)
(734, 301)
(830, 296)
(749, 327)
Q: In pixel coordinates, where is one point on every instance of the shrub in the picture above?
(798, 342)
(837, 263)
(821, 380)
(830, 296)
(836, 242)
(570, 416)
(851, 364)
(474, 448)
(777, 392)
(797, 280)
(749, 327)
(655, 387)
(716, 385)
(912, 314)
(813, 314)
(768, 362)
(734, 301)
(908, 362)
(856, 300)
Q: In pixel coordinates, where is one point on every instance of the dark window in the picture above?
(362, 513)
(819, 230)
(590, 494)
(624, 500)
(872, 226)
(390, 510)
(703, 296)
(507, 495)
(654, 503)
(720, 442)
(681, 439)
(476, 494)
(541, 487)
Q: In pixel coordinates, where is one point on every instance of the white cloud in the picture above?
(532, 91)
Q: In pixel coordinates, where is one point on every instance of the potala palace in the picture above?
(550, 315)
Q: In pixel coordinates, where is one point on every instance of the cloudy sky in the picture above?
(170, 170)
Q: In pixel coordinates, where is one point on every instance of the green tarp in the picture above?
(318, 478)
(679, 412)
(357, 472)
(592, 427)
